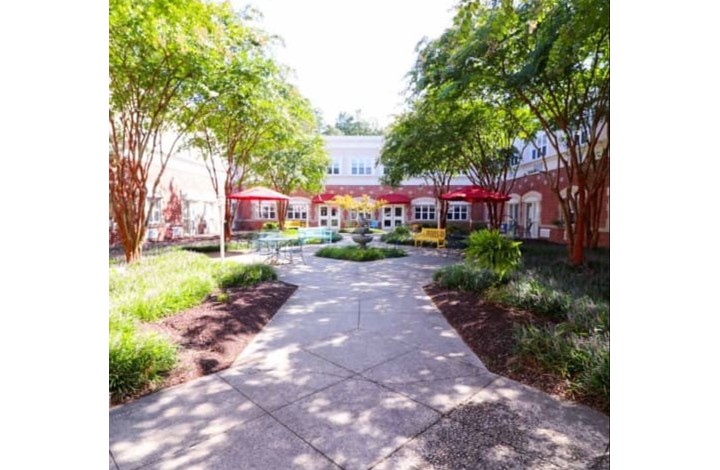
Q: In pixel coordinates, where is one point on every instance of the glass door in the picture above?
(393, 216)
(329, 216)
(532, 220)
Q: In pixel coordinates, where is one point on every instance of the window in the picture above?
(297, 212)
(355, 215)
(581, 138)
(361, 166)
(267, 210)
(541, 149)
(156, 214)
(424, 212)
(457, 212)
(334, 168)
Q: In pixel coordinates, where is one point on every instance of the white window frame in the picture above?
(541, 151)
(334, 167)
(458, 212)
(267, 210)
(297, 211)
(425, 211)
(361, 167)
(156, 217)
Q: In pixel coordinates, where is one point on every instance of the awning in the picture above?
(392, 198)
(323, 198)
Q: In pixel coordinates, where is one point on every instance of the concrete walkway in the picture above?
(357, 370)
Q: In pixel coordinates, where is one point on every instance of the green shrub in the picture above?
(457, 230)
(135, 360)
(230, 274)
(491, 250)
(530, 294)
(271, 226)
(584, 361)
(399, 236)
(355, 253)
(466, 278)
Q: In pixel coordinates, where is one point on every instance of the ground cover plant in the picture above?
(355, 253)
(399, 236)
(157, 287)
(548, 324)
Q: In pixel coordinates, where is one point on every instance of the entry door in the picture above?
(329, 216)
(532, 219)
(393, 216)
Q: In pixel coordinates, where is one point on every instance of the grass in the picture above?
(355, 253)
(136, 360)
(156, 287)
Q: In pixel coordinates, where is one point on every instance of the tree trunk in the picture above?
(442, 217)
(227, 223)
(578, 244)
(281, 211)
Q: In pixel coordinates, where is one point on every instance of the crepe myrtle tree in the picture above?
(293, 157)
(159, 55)
(423, 143)
(239, 122)
(553, 56)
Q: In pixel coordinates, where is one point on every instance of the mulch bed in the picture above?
(487, 329)
(213, 334)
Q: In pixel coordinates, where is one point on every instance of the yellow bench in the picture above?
(294, 224)
(435, 235)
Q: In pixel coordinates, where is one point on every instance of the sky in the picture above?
(350, 55)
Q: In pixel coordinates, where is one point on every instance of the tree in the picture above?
(421, 143)
(238, 123)
(485, 134)
(347, 124)
(553, 56)
(363, 205)
(294, 157)
(159, 54)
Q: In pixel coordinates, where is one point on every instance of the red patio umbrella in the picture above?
(474, 194)
(259, 193)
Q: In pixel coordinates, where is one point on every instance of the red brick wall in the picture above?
(549, 207)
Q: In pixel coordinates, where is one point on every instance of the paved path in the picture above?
(357, 370)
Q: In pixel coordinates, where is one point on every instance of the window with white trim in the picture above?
(361, 166)
(334, 167)
(355, 215)
(297, 212)
(424, 211)
(156, 213)
(267, 210)
(541, 149)
(457, 212)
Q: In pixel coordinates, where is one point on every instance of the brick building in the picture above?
(532, 212)
(187, 206)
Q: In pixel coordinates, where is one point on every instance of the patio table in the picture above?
(276, 248)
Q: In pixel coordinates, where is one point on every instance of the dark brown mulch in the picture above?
(213, 334)
(487, 329)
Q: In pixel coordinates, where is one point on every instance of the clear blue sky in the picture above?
(350, 55)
